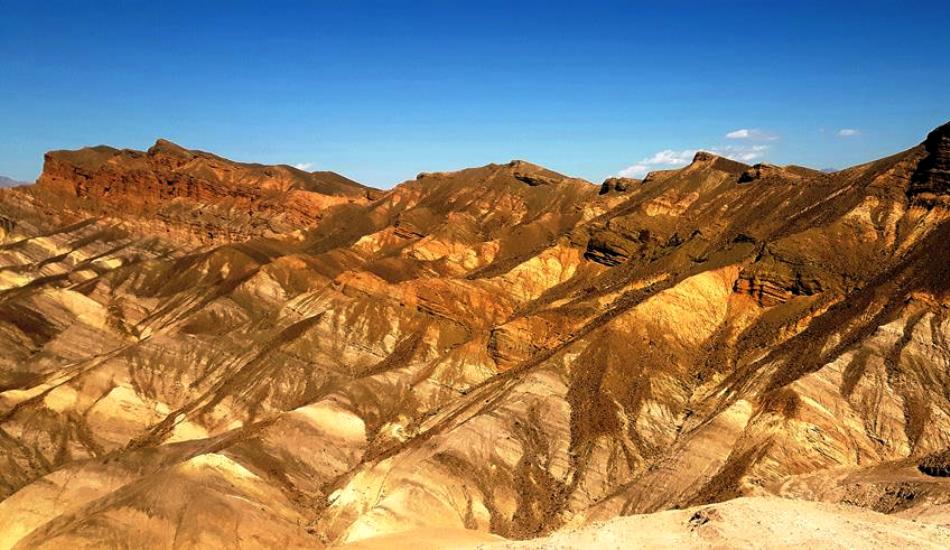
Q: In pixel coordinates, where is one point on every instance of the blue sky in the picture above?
(380, 91)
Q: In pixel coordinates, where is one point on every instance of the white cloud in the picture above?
(305, 166)
(742, 153)
(848, 132)
(669, 158)
(741, 133)
(751, 134)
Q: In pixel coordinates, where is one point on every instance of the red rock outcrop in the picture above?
(501, 349)
(212, 198)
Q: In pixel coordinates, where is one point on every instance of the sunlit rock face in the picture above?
(201, 353)
(193, 195)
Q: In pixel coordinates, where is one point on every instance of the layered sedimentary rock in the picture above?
(931, 180)
(502, 349)
(617, 185)
(196, 195)
(937, 464)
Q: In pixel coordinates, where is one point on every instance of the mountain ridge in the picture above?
(196, 195)
(502, 348)
(10, 182)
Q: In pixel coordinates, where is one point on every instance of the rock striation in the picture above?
(197, 193)
(201, 353)
(931, 181)
(617, 185)
(937, 464)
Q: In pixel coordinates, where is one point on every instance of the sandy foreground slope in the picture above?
(749, 522)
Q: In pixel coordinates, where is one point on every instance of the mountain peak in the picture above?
(162, 142)
(534, 174)
(705, 156)
(496, 340)
(708, 159)
(169, 178)
(164, 146)
(931, 180)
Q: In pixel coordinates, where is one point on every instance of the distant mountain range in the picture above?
(10, 182)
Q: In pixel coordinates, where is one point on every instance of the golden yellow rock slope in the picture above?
(501, 349)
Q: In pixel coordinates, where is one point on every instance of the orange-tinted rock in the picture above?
(501, 349)
(213, 198)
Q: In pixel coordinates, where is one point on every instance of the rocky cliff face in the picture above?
(931, 180)
(195, 195)
(503, 349)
